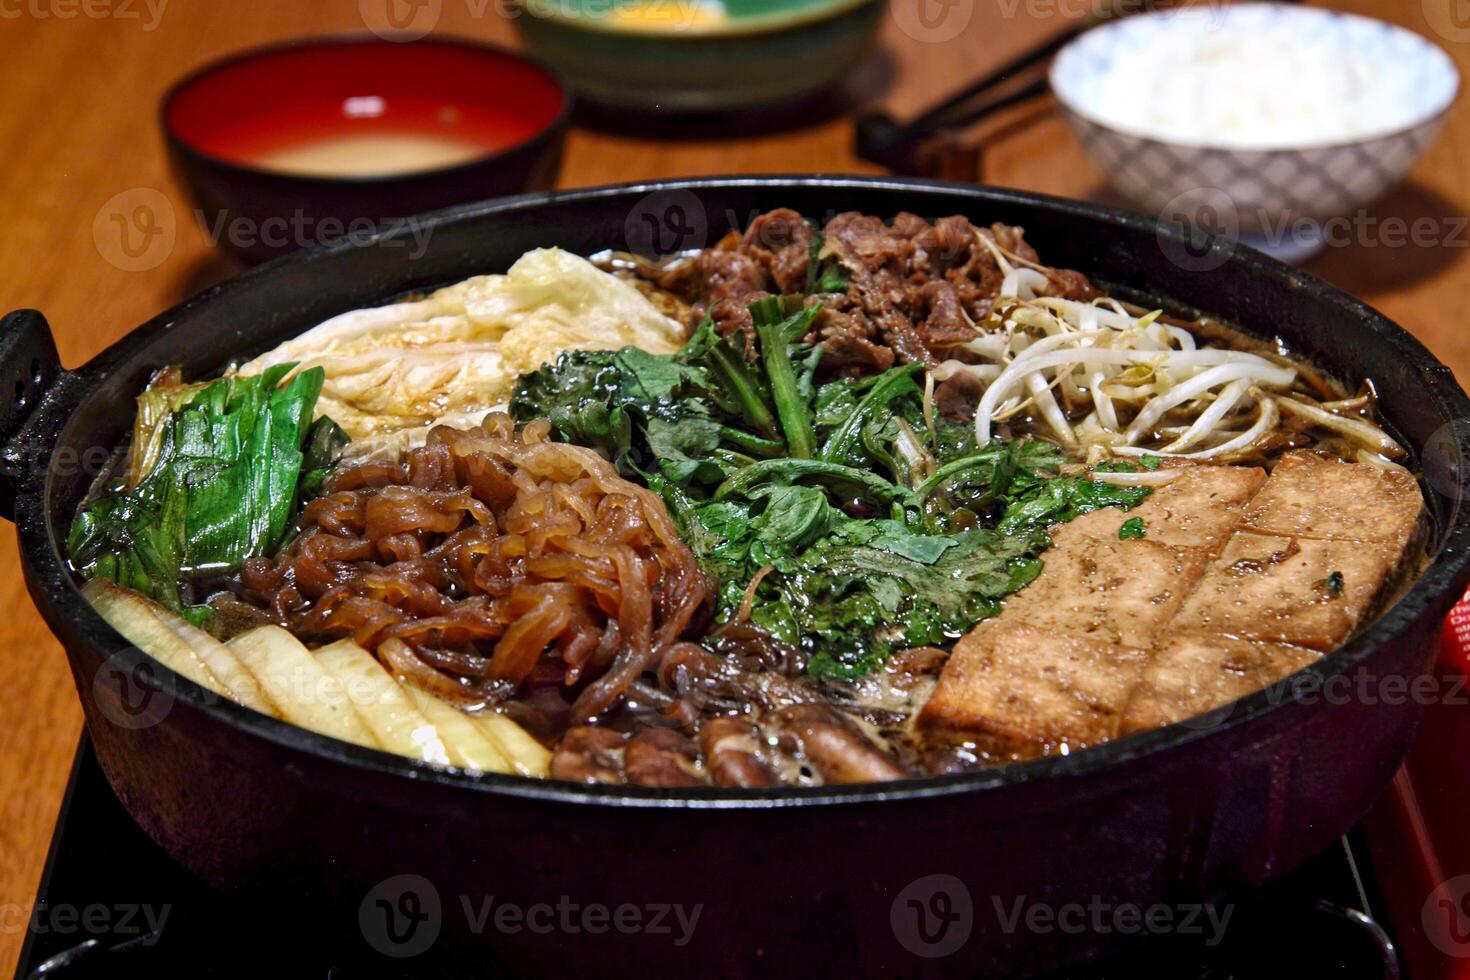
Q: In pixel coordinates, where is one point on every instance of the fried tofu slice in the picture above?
(1023, 685)
(1192, 673)
(1303, 591)
(1060, 665)
(1313, 497)
(1093, 584)
(1201, 507)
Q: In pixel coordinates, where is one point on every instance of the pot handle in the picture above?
(29, 366)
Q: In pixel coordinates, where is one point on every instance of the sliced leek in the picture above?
(467, 745)
(528, 756)
(184, 649)
(308, 694)
(398, 725)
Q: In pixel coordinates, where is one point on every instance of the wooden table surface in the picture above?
(81, 81)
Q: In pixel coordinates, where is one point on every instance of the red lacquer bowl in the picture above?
(296, 144)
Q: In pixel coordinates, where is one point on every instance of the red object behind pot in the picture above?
(1419, 834)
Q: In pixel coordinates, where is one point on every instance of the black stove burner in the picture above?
(111, 904)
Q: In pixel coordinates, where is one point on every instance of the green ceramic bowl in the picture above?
(698, 55)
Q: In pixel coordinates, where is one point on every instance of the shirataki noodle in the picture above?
(462, 562)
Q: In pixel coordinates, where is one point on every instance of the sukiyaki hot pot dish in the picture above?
(827, 502)
(888, 529)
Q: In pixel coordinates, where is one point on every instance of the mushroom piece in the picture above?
(731, 753)
(587, 754)
(662, 757)
(839, 753)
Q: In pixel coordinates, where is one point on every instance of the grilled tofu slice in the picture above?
(1025, 685)
(1092, 584)
(1303, 591)
(1239, 580)
(1201, 507)
(1312, 497)
(1192, 673)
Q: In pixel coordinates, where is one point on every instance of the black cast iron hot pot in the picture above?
(841, 880)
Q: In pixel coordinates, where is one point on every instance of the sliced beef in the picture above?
(1070, 284)
(850, 345)
(949, 245)
(957, 396)
(878, 259)
(945, 322)
(1010, 238)
(730, 279)
(914, 291)
(781, 240)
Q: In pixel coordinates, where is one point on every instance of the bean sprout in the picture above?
(1108, 382)
(1354, 430)
(1141, 382)
(1143, 478)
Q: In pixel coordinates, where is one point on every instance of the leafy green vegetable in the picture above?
(848, 591)
(693, 417)
(1060, 499)
(325, 441)
(1131, 528)
(840, 478)
(231, 461)
(777, 334)
(746, 393)
(889, 386)
(583, 396)
(1125, 466)
(869, 527)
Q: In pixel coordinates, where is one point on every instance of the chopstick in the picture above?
(943, 114)
(901, 147)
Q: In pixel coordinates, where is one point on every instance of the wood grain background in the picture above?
(81, 81)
